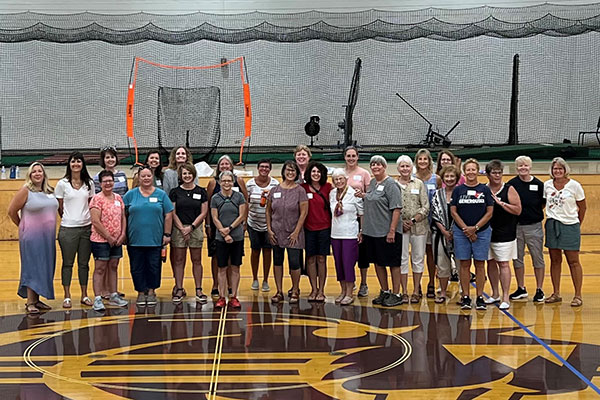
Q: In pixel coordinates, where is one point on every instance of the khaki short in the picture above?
(196, 238)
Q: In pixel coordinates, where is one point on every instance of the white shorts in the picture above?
(503, 251)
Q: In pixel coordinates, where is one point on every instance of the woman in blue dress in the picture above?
(33, 210)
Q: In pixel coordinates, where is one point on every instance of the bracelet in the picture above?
(193, 226)
(167, 234)
(230, 228)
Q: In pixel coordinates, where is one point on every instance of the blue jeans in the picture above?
(464, 249)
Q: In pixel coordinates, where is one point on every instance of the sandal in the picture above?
(553, 299)
(86, 301)
(42, 306)
(320, 298)
(277, 298)
(415, 298)
(440, 300)
(177, 297)
(31, 309)
(339, 299)
(294, 298)
(430, 292)
(347, 300)
(67, 303)
(577, 301)
(201, 298)
(311, 297)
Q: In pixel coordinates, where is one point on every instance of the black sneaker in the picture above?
(480, 303)
(520, 293)
(454, 277)
(465, 303)
(381, 298)
(392, 300)
(539, 296)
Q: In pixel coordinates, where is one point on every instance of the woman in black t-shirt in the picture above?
(191, 206)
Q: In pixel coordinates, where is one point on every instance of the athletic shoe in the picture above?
(234, 303)
(539, 296)
(363, 290)
(98, 304)
(116, 300)
(392, 300)
(380, 299)
(221, 302)
(254, 285)
(266, 287)
(492, 300)
(465, 303)
(151, 300)
(454, 277)
(141, 299)
(504, 305)
(480, 303)
(520, 293)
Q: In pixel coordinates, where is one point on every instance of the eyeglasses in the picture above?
(108, 181)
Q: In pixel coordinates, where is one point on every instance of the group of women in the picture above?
(446, 218)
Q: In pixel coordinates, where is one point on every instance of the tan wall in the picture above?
(591, 185)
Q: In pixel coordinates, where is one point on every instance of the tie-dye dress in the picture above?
(37, 244)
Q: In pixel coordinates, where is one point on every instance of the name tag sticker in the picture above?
(309, 195)
(414, 191)
(117, 203)
(158, 182)
(153, 199)
(50, 195)
(255, 196)
(471, 193)
(121, 179)
(358, 178)
(277, 195)
(235, 189)
(431, 186)
(533, 188)
(197, 196)
(379, 188)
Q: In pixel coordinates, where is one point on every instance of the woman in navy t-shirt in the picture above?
(471, 207)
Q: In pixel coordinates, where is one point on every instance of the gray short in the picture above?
(532, 236)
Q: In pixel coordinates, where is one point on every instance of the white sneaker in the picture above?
(98, 304)
(492, 300)
(504, 305)
(115, 300)
(266, 287)
(254, 285)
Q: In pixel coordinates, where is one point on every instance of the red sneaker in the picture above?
(221, 302)
(234, 303)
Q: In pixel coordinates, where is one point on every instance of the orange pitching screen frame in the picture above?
(245, 88)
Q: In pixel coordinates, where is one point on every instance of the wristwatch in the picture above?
(167, 235)
(193, 226)
(413, 220)
(476, 227)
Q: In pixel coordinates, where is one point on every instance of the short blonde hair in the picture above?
(560, 161)
(470, 161)
(46, 188)
(425, 152)
(523, 160)
(302, 147)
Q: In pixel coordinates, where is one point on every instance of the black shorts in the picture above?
(294, 257)
(229, 253)
(363, 260)
(258, 239)
(318, 243)
(382, 253)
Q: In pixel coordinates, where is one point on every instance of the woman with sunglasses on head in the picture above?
(228, 213)
(108, 234)
(503, 244)
(302, 156)
(317, 228)
(109, 162)
(287, 207)
(33, 210)
(191, 207)
(445, 158)
(223, 164)
(358, 178)
(153, 161)
(149, 222)
(424, 171)
(258, 192)
(74, 193)
(565, 211)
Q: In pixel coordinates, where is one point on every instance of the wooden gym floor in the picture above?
(305, 351)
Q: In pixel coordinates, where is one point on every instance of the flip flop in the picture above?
(320, 298)
(86, 301)
(67, 303)
(42, 306)
(440, 300)
(31, 309)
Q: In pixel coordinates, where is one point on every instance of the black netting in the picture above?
(190, 117)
